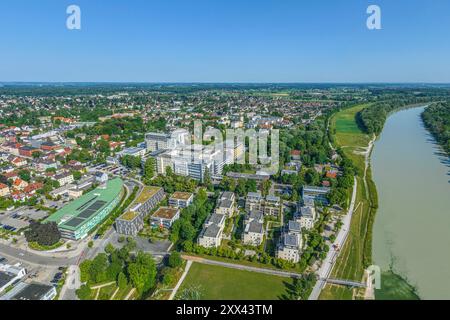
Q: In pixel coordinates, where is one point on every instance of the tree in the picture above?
(149, 168)
(84, 293)
(142, 272)
(90, 244)
(175, 260)
(122, 281)
(109, 249)
(25, 175)
(46, 234)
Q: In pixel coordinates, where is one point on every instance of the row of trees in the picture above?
(437, 120)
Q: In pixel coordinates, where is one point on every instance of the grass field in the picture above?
(357, 252)
(219, 283)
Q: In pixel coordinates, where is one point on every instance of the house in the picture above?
(101, 177)
(181, 199)
(64, 178)
(253, 234)
(19, 162)
(45, 164)
(4, 190)
(295, 154)
(33, 187)
(226, 204)
(165, 217)
(27, 151)
(211, 234)
(318, 194)
(19, 184)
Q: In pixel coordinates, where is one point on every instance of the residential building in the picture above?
(135, 152)
(211, 234)
(4, 190)
(254, 202)
(181, 199)
(272, 206)
(64, 178)
(226, 204)
(253, 234)
(318, 194)
(165, 217)
(291, 243)
(132, 221)
(306, 216)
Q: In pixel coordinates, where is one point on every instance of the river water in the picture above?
(412, 226)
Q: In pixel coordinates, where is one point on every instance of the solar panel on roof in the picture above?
(85, 204)
(97, 205)
(74, 222)
(87, 213)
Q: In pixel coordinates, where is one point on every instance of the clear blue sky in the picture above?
(225, 41)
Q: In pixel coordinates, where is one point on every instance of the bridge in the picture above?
(348, 283)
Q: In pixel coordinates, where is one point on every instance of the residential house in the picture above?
(181, 199)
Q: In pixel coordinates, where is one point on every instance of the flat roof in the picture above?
(165, 213)
(83, 209)
(32, 291)
(181, 195)
(129, 215)
(146, 194)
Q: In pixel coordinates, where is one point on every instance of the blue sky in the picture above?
(225, 41)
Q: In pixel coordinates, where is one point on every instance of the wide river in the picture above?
(412, 226)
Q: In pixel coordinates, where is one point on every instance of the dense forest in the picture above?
(437, 120)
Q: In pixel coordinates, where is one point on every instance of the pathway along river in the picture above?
(412, 226)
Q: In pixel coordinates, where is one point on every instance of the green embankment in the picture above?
(356, 255)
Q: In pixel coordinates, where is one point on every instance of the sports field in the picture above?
(220, 283)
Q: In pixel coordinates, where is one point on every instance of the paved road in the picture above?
(327, 265)
(33, 258)
(242, 267)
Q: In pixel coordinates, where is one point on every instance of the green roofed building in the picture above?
(79, 217)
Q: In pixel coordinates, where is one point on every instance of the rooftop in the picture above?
(81, 210)
(165, 213)
(146, 194)
(181, 196)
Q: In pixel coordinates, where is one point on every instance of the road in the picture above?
(186, 270)
(35, 259)
(328, 263)
(242, 267)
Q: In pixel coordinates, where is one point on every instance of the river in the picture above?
(412, 226)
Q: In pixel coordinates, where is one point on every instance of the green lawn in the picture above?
(219, 283)
(356, 252)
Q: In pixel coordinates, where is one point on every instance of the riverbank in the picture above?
(356, 255)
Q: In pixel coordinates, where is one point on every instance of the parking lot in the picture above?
(20, 218)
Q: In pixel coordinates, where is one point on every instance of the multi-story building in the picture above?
(64, 178)
(318, 194)
(272, 206)
(226, 204)
(253, 202)
(306, 216)
(291, 242)
(211, 234)
(76, 219)
(165, 217)
(253, 234)
(132, 221)
(181, 199)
